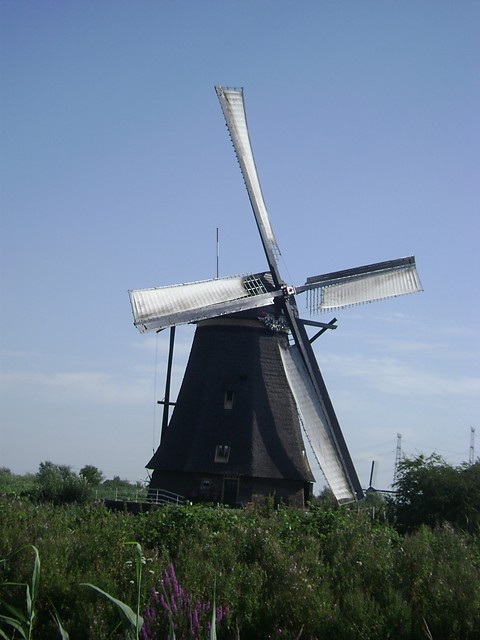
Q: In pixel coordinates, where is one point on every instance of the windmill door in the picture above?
(230, 491)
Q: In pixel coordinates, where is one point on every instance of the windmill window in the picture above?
(205, 485)
(228, 399)
(222, 453)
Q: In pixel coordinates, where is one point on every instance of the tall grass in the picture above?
(334, 574)
(22, 620)
(131, 621)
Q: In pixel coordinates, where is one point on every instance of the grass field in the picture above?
(279, 573)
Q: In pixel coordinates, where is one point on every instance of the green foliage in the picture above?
(77, 543)
(432, 492)
(117, 483)
(118, 489)
(63, 632)
(325, 499)
(21, 621)
(60, 485)
(131, 621)
(213, 624)
(92, 475)
(13, 484)
(336, 574)
(438, 571)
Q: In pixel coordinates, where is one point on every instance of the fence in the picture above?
(151, 496)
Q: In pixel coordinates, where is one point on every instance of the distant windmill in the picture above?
(252, 381)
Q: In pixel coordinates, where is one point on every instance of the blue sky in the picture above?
(117, 169)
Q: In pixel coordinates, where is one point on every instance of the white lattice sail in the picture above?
(363, 284)
(161, 307)
(316, 424)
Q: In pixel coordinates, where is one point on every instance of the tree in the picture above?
(325, 499)
(92, 475)
(432, 492)
(59, 484)
(117, 483)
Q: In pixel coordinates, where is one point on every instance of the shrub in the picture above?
(92, 475)
(60, 485)
(432, 492)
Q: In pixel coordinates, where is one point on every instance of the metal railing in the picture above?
(161, 496)
(151, 496)
(121, 494)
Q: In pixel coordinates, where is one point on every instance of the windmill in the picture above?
(252, 383)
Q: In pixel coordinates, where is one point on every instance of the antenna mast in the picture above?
(398, 457)
(218, 251)
(471, 457)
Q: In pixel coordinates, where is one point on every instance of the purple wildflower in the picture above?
(190, 616)
(166, 579)
(173, 604)
(195, 623)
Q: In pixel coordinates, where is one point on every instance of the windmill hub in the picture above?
(288, 291)
(275, 322)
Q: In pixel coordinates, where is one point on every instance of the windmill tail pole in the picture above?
(166, 406)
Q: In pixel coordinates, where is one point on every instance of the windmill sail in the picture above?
(162, 307)
(233, 107)
(324, 421)
(370, 283)
(316, 424)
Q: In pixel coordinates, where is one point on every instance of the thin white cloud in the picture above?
(392, 376)
(77, 386)
(160, 343)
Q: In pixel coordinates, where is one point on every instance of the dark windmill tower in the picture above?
(252, 381)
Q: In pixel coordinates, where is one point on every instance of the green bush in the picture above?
(60, 485)
(432, 492)
(92, 475)
(14, 484)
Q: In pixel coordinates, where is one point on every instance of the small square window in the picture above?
(228, 400)
(222, 453)
(205, 485)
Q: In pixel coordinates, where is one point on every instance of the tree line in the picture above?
(428, 491)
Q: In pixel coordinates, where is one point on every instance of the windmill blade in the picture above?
(319, 416)
(317, 413)
(363, 284)
(162, 307)
(233, 107)
(316, 424)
